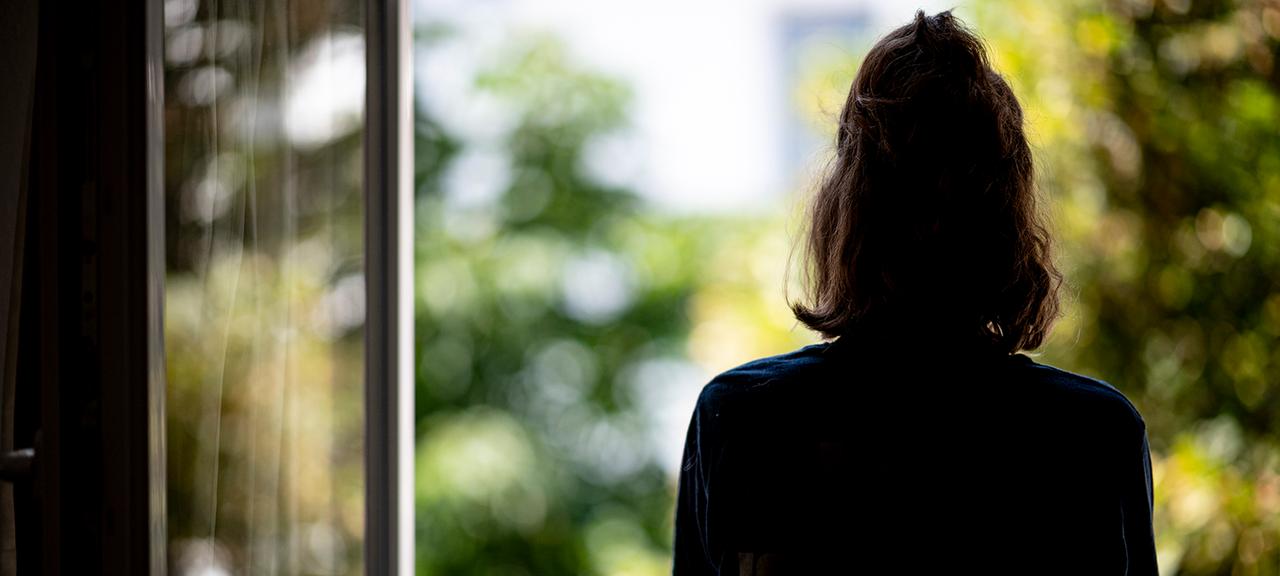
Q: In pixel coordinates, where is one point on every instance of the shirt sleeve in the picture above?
(694, 553)
(1137, 505)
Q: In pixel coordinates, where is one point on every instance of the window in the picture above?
(210, 368)
(279, 249)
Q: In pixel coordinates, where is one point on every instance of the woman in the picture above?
(918, 437)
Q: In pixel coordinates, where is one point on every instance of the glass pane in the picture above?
(265, 293)
(601, 228)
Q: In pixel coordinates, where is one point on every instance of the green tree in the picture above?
(534, 310)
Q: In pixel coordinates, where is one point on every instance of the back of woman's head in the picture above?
(927, 219)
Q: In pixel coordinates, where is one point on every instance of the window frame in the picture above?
(388, 177)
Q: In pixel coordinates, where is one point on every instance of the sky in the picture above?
(712, 80)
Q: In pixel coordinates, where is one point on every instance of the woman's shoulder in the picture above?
(765, 384)
(762, 374)
(1082, 394)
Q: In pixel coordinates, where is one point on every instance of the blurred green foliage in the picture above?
(1157, 132)
(540, 312)
(510, 380)
(541, 308)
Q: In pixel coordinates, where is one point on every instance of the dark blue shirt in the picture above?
(849, 457)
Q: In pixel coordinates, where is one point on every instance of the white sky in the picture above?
(709, 109)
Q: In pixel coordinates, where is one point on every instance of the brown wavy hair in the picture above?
(928, 213)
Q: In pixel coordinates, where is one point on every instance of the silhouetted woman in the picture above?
(919, 439)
